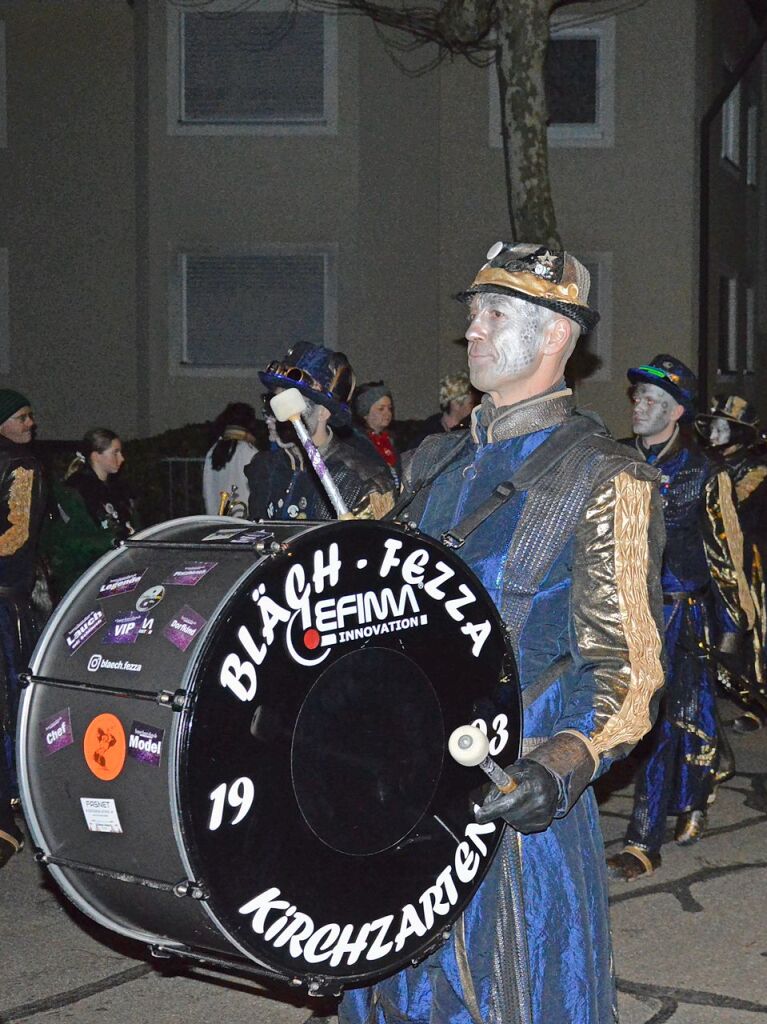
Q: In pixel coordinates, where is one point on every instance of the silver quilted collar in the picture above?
(536, 413)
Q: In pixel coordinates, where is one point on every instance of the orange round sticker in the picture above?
(104, 747)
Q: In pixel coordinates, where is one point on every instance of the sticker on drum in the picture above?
(100, 815)
(150, 598)
(57, 732)
(183, 627)
(122, 584)
(84, 630)
(145, 743)
(190, 574)
(104, 747)
(124, 630)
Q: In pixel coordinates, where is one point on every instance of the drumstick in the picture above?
(468, 746)
(289, 405)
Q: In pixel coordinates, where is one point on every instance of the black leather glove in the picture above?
(528, 808)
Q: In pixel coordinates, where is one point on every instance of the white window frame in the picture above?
(177, 304)
(731, 127)
(3, 90)
(5, 318)
(603, 351)
(750, 355)
(752, 145)
(731, 326)
(599, 135)
(175, 79)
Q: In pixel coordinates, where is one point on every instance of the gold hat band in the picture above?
(529, 284)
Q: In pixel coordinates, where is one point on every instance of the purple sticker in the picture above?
(183, 627)
(190, 575)
(251, 536)
(57, 732)
(84, 629)
(145, 743)
(121, 584)
(125, 629)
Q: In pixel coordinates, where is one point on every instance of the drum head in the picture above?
(318, 805)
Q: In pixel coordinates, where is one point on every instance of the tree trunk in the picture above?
(523, 34)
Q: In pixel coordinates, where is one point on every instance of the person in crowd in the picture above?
(22, 507)
(730, 430)
(706, 605)
(224, 484)
(374, 406)
(571, 558)
(457, 399)
(282, 483)
(93, 509)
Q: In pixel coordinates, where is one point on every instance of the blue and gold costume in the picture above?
(704, 594)
(573, 566)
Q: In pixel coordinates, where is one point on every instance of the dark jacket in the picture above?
(283, 486)
(91, 516)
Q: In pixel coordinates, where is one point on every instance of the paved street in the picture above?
(691, 940)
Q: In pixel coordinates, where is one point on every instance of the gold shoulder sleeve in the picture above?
(19, 507)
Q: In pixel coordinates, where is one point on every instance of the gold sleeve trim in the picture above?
(734, 537)
(643, 641)
(745, 488)
(19, 506)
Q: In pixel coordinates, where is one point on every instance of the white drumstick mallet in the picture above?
(289, 405)
(469, 746)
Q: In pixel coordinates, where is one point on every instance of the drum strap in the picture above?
(418, 488)
(542, 461)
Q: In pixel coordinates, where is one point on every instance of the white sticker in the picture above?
(100, 814)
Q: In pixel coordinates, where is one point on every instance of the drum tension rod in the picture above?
(173, 699)
(186, 887)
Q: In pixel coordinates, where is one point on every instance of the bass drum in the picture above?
(233, 742)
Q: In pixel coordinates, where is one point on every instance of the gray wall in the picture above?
(98, 197)
(67, 213)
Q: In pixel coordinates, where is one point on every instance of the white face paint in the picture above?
(505, 339)
(720, 432)
(653, 411)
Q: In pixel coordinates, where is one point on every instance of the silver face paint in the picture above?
(653, 410)
(505, 339)
(720, 432)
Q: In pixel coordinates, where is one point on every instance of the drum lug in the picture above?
(174, 699)
(439, 941)
(24, 679)
(188, 887)
(318, 986)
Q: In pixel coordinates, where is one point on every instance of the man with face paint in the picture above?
(730, 431)
(282, 483)
(563, 527)
(706, 604)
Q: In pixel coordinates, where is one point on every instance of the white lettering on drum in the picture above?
(280, 923)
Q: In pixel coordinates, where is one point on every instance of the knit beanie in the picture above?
(368, 394)
(10, 402)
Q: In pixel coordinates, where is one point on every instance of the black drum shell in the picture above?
(130, 881)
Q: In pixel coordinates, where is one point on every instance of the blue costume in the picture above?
(572, 563)
(706, 601)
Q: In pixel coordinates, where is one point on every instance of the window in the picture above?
(267, 69)
(728, 325)
(750, 330)
(731, 127)
(580, 75)
(237, 311)
(5, 338)
(752, 145)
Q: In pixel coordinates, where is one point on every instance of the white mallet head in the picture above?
(288, 404)
(468, 745)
